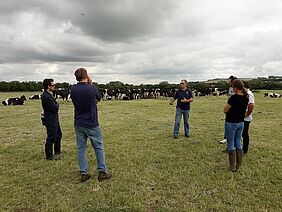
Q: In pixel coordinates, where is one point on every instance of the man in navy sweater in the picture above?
(51, 120)
(184, 97)
(84, 97)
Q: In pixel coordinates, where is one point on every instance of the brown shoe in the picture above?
(84, 177)
(104, 176)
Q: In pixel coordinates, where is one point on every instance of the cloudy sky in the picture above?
(136, 41)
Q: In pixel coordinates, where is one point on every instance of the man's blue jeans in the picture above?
(233, 132)
(178, 116)
(95, 136)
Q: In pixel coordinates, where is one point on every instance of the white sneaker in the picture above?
(223, 141)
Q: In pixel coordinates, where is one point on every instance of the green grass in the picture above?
(151, 171)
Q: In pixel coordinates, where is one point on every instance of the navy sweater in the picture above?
(84, 98)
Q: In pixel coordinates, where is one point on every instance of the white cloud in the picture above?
(140, 41)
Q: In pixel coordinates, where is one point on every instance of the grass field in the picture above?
(151, 171)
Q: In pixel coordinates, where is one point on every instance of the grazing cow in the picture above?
(37, 96)
(108, 94)
(14, 101)
(64, 94)
(272, 95)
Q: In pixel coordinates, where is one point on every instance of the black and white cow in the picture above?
(62, 93)
(272, 95)
(14, 101)
(37, 96)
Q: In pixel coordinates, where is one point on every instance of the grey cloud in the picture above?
(140, 40)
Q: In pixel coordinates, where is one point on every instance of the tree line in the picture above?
(271, 83)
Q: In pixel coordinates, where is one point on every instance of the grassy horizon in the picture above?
(151, 171)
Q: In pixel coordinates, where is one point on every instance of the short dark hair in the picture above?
(80, 74)
(46, 83)
(232, 78)
(246, 84)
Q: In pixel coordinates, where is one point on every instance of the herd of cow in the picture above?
(127, 94)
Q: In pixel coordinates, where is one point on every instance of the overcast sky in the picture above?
(140, 41)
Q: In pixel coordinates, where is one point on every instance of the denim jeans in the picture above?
(178, 116)
(233, 133)
(95, 136)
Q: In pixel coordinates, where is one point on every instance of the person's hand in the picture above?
(183, 100)
(89, 79)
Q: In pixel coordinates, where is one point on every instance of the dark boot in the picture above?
(232, 160)
(57, 147)
(239, 155)
(104, 175)
(49, 151)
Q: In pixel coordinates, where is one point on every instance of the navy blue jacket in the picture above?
(84, 98)
(50, 107)
(180, 94)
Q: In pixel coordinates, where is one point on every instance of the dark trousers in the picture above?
(54, 136)
(245, 136)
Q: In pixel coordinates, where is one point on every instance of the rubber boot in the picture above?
(49, 151)
(239, 156)
(232, 160)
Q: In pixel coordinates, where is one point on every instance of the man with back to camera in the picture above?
(184, 97)
(84, 97)
(51, 120)
(248, 118)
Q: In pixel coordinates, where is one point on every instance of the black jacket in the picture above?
(50, 107)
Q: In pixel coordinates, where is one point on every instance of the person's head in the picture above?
(183, 84)
(246, 84)
(231, 79)
(48, 84)
(80, 74)
(238, 86)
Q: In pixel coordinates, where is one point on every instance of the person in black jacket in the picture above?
(51, 120)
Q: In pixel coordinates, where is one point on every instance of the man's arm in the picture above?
(187, 100)
(51, 104)
(251, 107)
(171, 101)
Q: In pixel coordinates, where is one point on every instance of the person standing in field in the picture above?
(229, 94)
(235, 111)
(248, 118)
(84, 97)
(51, 120)
(184, 97)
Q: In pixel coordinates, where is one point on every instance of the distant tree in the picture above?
(256, 84)
(222, 85)
(164, 85)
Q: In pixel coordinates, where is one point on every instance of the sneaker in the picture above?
(223, 141)
(175, 136)
(187, 135)
(84, 177)
(103, 175)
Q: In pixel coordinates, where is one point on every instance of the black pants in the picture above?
(245, 136)
(54, 136)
